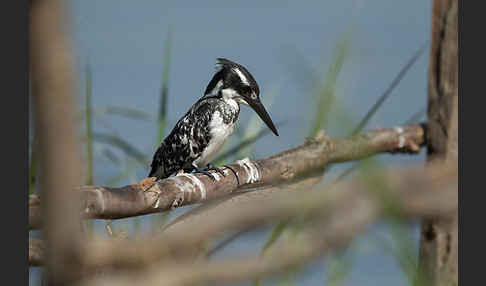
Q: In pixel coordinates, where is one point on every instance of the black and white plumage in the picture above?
(202, 131)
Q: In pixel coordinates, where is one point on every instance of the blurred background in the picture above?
(319, 64)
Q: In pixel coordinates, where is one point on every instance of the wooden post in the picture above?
(53, 88)
(439, 238)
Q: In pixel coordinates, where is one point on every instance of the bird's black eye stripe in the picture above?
(247, 89)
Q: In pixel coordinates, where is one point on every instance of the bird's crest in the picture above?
(225, 63)
(243, 73)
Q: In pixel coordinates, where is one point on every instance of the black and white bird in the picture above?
(202, 131)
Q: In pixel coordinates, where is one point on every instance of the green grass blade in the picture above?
(116, 179)
(404, 250)
(276, 233)
(226, 241)
(225, 156)
(235, 150)
(89, 130)
(326, 90)
(159, 220)
(372, 111)
(389, 90)
(164, 90)
(123, 145)
(127, 112)
(401, 246)
(298, 67)
(342, 115)
(338, 269)
(110, 155)
(89, 138)
(325, 100)
(347, 172)
(416, 116)
(290, 276)
(125, 173)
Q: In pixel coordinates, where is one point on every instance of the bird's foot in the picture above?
(210, 167)
(234, 172)
(205, 172)
(195, 170)
(147, 183)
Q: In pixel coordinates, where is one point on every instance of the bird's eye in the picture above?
(253, 96)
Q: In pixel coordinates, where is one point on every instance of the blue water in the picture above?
(276, 40)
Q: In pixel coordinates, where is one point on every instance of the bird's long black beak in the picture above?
(260, 110)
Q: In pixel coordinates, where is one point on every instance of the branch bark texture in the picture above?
(305, 160)
(439, 237)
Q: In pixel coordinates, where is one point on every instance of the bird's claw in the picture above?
(205, 172)
(210, 167)
(234, 172)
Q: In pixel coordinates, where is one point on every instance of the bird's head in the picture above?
(233, 81)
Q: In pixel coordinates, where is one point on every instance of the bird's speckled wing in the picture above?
(185, 143)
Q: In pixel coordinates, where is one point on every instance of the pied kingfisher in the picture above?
(202, 131)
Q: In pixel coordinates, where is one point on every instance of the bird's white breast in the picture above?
(220, 132)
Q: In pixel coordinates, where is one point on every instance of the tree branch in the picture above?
(308, 159)
(202, 212)
(411, 193)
